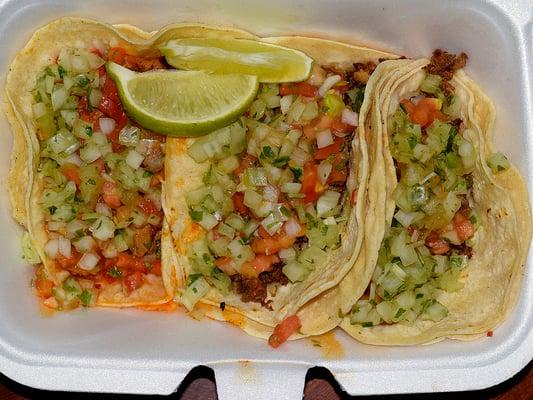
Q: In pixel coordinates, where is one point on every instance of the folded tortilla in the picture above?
(25, 187)
(493, 274)
(317, 300)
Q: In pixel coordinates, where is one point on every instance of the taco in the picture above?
(457, 220)
(86, 181)
(268, 213)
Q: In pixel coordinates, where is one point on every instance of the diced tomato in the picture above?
(72, 261)
(133, 281)
(155, 181)
(320, 123)
(72, 173)
(246, 163)
(339, 171)
(284, 330)
(42, 285)
(143, 64)
(100, 164)
(148, 207)
(490, 334)
(269, 245)
(424, 112)
(338, 126)
(309, 182)
(130, 262)
(327, 151)
(301, 89)
(463, 227)
(90, 116)
(142, 240)
(110, 103)
(226, 264)
(117, 55)
(262, 263)
(238, 204)
(436, 244)
(156, 267)
(111, 195)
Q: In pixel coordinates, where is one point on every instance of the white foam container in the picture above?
(139, 352)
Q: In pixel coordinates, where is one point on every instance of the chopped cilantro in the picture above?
(114, 272)
(367, 324)
(85, 298)
(61, 71)
(91, 181)
(193, 278)
(267, 152)
(88, 131)
(196, 215)
(280, 162)
(297, 172)
(222, 306)
(52, 210)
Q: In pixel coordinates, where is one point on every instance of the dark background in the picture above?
(320, 385)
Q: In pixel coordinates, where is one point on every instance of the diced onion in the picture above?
(324, 138)
(134, 159)
(329, 82)
(75, 228)
(292, 228)
(79, 63)
(39, 109)
(129, 136)
(107, 125)
(271, 193)
(64, 247)
(285, 103)
(291, 187)
(90, 153)
(102, 208)
(95, 95)
(88, 261)
(286, 254)
(103, 228)
(85, 244)
(299, 156)
(195, 292)
(51, 248)
(349, 117)
(55, 226)
(327, 202)
(110, 250)
(324, 169)
(59, 97)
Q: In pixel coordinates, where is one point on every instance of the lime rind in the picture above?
(183, 103)
(270, 62)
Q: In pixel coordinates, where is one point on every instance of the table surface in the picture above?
(199, 385)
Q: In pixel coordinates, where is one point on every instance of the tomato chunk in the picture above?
(42, 284)
(310, 182)
(148, 207)
(72, 173)
(463, 227)
(436, 244)
(110, 194)
(334, 148)
(110, 103)
(300, 89)
(269, 245)
(424, 112)
(133, 281)
(130, 262)
(262, 263)
(238, 204)
(284, 330)
(226, 264)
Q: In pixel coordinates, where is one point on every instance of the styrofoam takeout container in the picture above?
(139, 352)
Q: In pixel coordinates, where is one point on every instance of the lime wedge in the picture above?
(271, 63)
(183, 103)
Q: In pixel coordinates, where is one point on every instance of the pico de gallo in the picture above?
(435, 221)
(274, 196)
(101, 176)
